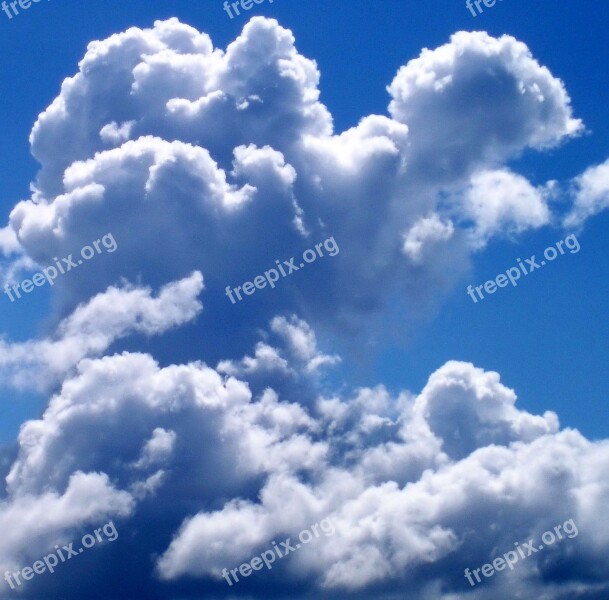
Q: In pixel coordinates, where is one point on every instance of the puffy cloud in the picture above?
(18, 262)
(468, 409)
(41, 520)
(9, 244)
(218, 539)
(288, 360)
(218, 163)
(169, 82)
(157, 449)
(421, 238)
(302, 342)
(503, 202)
(478, 99)
(487, 479)
(94, 326)
(114, 134)
(232, 151)
(417, 486)
(591, 191)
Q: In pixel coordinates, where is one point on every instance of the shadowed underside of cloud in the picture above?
(214, 163)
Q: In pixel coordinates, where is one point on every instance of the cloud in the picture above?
(210, 163)
(423, 236)
(419, 486)
(457, 457)
(517, 104)
(93, 327)
(302, 342)
(503, 202)
(591, 195)
(157, 449)
(469, 409)
(233, 152)
(37, 522)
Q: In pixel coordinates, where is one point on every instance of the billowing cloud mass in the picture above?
(227, 161)
(417, 486)
(209, 165)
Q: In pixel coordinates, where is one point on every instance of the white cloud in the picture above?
(218, 163)
(94, 326)
(503, 202)
(232, 151)
(423, 236)
(591, 195)
(302, 342)
(115, 134)
(411, 482)
(468, 409)
(36, 522)
(493, 464)
(517, 103)
(157, 449)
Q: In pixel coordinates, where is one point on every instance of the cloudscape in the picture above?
(270, 323)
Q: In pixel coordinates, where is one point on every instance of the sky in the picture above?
(416, 152)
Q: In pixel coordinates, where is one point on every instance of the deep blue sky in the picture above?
(548, 337)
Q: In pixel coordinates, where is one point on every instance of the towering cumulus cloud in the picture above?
(208, 430)
(226, 160)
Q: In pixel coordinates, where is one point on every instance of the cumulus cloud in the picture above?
(517, 104)
(423, 236)
(465, 473)
(418, 485)
(157, 449)
(467, 409)
(94, 326)
(232, 151)
(215, 163)
(503, 202)
(43, 519)
(591, 194)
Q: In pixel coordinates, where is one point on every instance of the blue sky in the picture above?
(376, 328)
